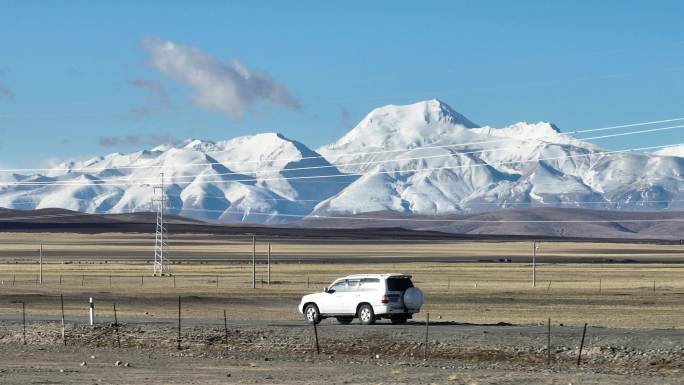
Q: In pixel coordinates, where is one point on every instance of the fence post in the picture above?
(116, 328)
(579, 354)
(23, 316)
(225, 325)
(179, 322)
(548, 342)
(253, 262)
(318, 349)
(40, 258)
(427, 325)
(61, 300)
(268, 263)
(92, 311)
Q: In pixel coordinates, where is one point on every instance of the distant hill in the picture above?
(541, 223)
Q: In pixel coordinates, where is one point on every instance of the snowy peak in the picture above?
(425, 112)
(405, 126)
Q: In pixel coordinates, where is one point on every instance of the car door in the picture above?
(350, 298)
(331, 302)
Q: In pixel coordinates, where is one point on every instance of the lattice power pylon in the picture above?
(161, 247)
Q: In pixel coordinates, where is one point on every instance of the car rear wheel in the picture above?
(366, 314)
(398, 319)
(311, 314)
(345, 320)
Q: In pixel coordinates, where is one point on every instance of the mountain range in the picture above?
(421, 159)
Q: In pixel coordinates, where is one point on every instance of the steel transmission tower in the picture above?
(161, 247)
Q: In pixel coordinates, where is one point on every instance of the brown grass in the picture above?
(615, 295)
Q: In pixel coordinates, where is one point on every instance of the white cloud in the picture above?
(230, 87)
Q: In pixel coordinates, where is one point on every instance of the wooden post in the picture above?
(307, 281)
(579, 354)
(82, 279)
(14, 278)
(600, 286)
(61, 300)
(179, 323)
(318, 349)
(23, 316)
(427, 326)
(116, 328)
(110, 281)
(268, 264)
(217, 285)
(60, 280)
(654, 286)
(548, 342)
(253, 262)
(142, 280)
(174, 281)
(225, 325)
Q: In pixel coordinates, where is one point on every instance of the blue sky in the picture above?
(81, 78)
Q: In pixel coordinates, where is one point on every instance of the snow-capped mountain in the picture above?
(233, 180)
(422, 158)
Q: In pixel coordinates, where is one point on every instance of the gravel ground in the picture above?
(284, 352)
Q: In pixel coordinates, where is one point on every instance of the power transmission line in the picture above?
(308, 177)
(261, 161)
(449, 155)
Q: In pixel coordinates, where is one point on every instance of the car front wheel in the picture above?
(311, 314)
(366, 314)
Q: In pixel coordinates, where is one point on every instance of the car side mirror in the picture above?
(328, 290)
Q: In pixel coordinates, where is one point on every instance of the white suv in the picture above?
(366, 296)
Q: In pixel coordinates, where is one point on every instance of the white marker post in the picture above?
(92, 311)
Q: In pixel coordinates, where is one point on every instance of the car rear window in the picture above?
(398, 283)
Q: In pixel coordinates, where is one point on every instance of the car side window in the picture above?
(369, 284)
(353, 284)
(338, 286)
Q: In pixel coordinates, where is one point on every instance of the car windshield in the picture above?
(398, 283)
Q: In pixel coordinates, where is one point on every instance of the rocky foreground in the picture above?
(350, 354)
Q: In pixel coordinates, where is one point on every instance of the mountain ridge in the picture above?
(418, 159)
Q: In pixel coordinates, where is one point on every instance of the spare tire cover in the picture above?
(413, 298)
